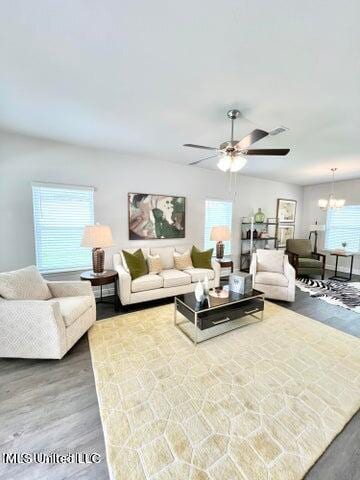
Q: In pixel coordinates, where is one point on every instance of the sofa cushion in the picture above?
(201, 259)
(136, 263)
(310, 263)
(175, 278)
(270, 261)
(271, 278)
(182, 260)
(146, 282)
(72, 308)
(24, 284)
(154, 264)
(199, 274)
(166, 256)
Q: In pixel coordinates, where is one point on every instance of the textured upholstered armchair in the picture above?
(40, 319)
(273, 274)
(303, 259)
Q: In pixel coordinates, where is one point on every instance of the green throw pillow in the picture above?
(136, 263)
(201, 259)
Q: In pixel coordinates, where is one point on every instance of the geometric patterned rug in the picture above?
(258, 403)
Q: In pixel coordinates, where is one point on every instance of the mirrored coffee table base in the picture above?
(201, 321)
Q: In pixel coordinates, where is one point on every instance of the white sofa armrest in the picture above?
(253, 267)
(70, 289)
(31, 329)
(217, 270)
(289, 272)
(124, 286)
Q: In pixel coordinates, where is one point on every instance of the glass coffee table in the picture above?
(217, 315)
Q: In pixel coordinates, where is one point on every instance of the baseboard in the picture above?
(356, 271)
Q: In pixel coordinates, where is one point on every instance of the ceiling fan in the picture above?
(232, 154)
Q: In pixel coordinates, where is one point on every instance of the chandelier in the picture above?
(331, 202)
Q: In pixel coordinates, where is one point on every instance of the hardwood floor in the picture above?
(52, 406)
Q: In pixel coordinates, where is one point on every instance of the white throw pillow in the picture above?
(154, 264)
(24, 284)
(183, 260)
(270, 261)
(166, 255)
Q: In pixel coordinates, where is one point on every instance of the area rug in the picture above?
(344, 294)
(258, 403)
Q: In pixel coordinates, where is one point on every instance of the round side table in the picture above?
(100, 279)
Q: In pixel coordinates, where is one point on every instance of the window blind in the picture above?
(60, 214)
(343, 225)
(217, 212)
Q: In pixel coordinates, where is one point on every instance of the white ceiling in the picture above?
(144, 77)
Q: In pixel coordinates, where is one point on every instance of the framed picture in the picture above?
(284, 233)
(286, 210)
(155, 216)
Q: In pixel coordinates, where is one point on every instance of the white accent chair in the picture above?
(47, 324)
(168, 283)
(273, 275)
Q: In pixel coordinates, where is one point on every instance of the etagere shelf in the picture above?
(256, 235)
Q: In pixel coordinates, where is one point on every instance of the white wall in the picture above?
(24, 159)
(350, 190)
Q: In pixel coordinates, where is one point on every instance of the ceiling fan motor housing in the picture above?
(233, 114)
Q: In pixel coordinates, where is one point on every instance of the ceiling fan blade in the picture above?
(267, 151)
(253, 137)
(278, 130)
(199, 146)
(202, 159)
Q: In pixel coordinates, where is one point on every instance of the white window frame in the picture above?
(38, 229)
(210, 243)
(331, 229)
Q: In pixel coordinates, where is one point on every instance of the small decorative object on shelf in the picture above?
(259, 216)
(344, 245)
(248, 234)
(255, 234)
(199, 291)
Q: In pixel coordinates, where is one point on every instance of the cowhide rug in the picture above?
(344, 294)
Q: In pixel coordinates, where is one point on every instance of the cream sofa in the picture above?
(168, 283)
(273, 275)
(43, 324)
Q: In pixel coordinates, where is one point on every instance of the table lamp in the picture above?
(98, 237)
(220, 234)
(315, 229)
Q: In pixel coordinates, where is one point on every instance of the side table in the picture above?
(226, 263)
(342, 278)
(100, 279)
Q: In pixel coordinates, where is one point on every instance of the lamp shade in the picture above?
(220, 233)
(97, 236)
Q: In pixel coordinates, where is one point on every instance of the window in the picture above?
(60, 214)
(343, 225)
(217, 213)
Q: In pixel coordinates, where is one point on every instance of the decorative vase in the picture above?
(206, 285)
(199, 291)
(259, 216)
(255, 234)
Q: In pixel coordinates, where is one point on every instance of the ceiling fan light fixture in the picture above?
(237, 164)
(224, 163)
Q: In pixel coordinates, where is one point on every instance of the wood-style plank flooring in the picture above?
(52, 406)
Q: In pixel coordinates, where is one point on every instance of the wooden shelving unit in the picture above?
(250, 243)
